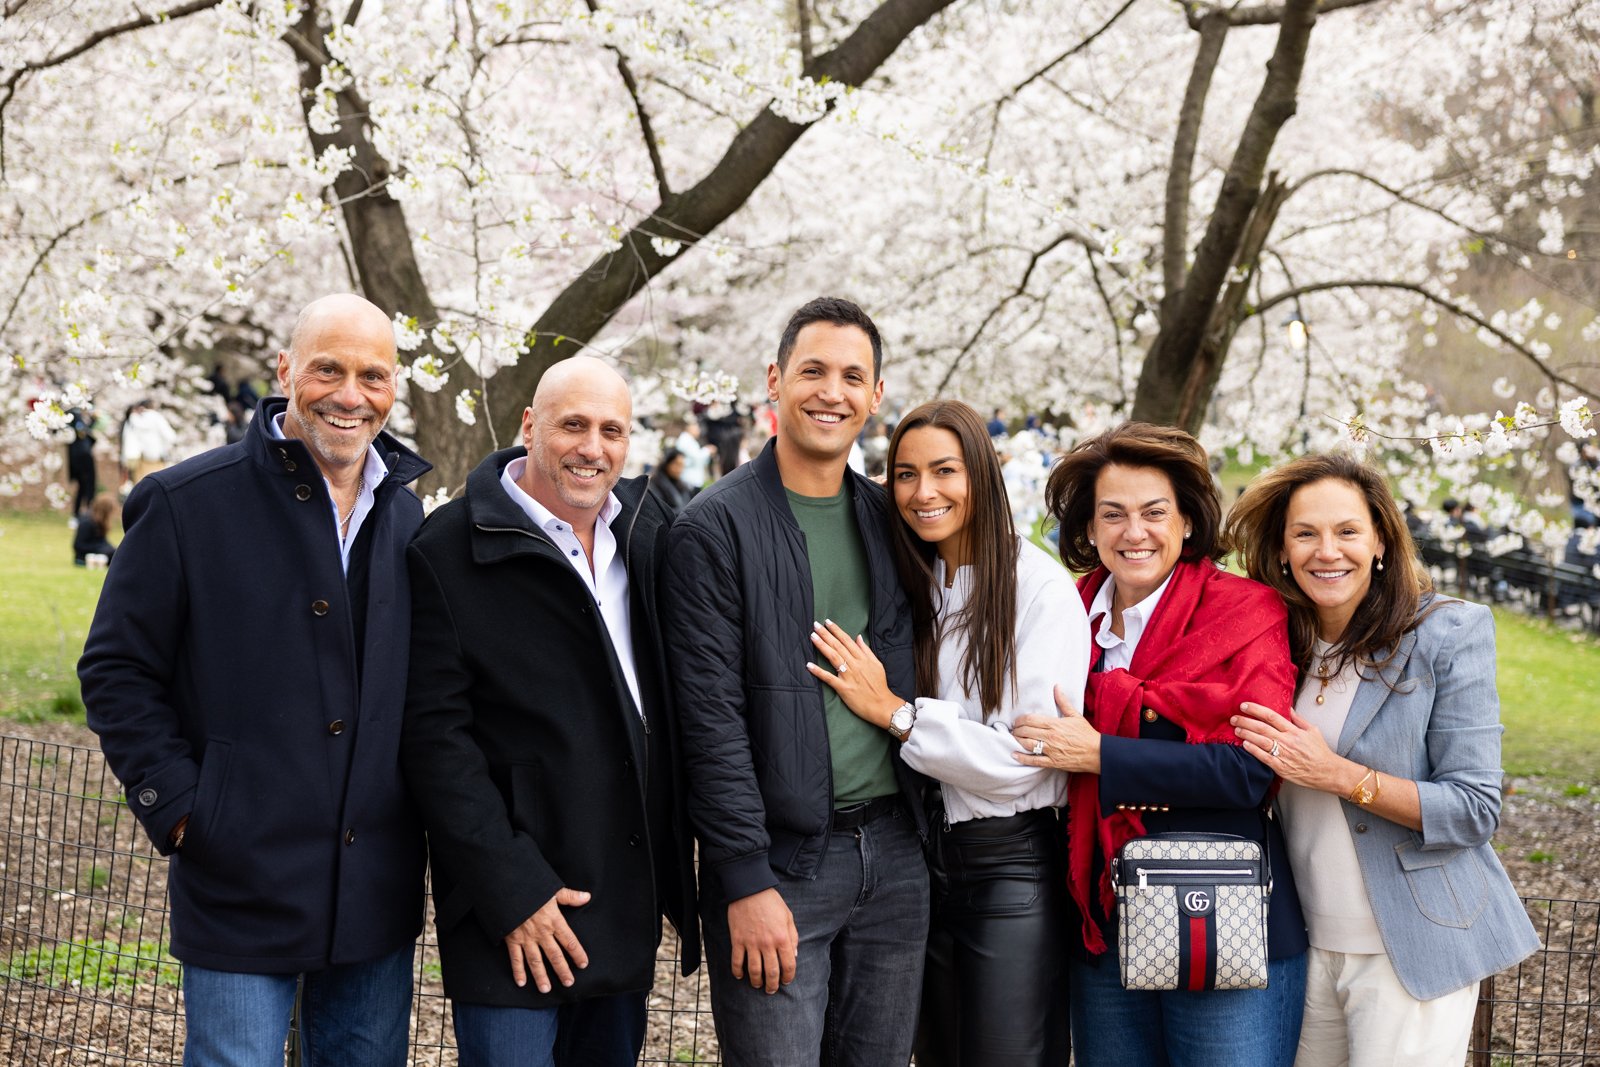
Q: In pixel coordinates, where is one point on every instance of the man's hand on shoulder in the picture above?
(544, 942)
(765, 941)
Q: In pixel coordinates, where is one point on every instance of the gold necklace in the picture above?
(1322, 674)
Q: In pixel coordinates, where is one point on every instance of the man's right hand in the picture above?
(765, 941)
(544, 941)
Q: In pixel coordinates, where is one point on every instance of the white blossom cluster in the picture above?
(999, 209)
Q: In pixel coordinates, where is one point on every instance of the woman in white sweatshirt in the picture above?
(998, 626)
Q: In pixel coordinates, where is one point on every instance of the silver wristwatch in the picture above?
(903, 719)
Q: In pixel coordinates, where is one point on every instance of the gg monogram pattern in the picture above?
(1151, 923)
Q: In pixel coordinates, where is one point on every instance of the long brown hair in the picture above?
(1256, 528)
(989, 619)
(1069, 494)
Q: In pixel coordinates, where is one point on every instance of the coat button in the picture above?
(349, 837)
(302, 492)
(147, 797)
(633, 839)
(319, 607)
(1149, 715)
(1361, 827)
(336, 727)
(290, 465)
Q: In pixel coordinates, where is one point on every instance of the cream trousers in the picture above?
(1359, 1015)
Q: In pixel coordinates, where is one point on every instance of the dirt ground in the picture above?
(76, 867)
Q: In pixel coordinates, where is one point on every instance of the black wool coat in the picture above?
(222, 675)
(526, 754)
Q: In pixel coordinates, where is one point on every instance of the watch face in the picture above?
(902, 719)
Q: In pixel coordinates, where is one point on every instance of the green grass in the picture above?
(1547, 675)
(101, 965)
(1547, 682)
(45, 607)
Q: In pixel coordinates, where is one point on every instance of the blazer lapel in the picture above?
(1371, 694)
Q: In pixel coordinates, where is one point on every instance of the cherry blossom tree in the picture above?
(1250, 220)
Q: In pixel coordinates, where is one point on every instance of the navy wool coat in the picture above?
(221, 674)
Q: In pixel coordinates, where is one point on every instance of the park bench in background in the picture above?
(1523, 578)
(83, 920)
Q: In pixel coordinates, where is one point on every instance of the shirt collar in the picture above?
(542, 517)
(1139, 613)
(374, 471)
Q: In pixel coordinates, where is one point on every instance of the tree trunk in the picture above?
(385, 258)
(1179, 373)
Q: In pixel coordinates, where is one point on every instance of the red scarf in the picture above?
(1214, 641)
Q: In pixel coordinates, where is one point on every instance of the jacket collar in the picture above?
(501, 529)
(291, 455)
(770, 479)
(1371, 694)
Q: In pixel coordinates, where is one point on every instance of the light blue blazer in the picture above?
(1446, 911)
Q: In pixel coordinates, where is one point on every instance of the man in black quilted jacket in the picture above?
(814, 890)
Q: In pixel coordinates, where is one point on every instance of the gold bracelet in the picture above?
(1377, 787)
(1361, 796)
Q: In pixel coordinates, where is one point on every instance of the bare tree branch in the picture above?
(1175, 229)
(354, 12)
(663, 190)
(1068, 54)
(1263, 15)
(803, 17)
(1438, 299)
(1005, 301)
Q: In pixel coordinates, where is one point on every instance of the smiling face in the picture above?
(823, 395)
(929, 478)
(1330, 545)
(576, 433)
(339, 377)
(1138, 530)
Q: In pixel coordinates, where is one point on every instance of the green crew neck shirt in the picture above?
(841, 587)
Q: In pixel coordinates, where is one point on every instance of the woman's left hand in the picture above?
(857, 676)
(1294, 749)
(1066, 742)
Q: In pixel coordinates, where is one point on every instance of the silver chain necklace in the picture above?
(344, 523)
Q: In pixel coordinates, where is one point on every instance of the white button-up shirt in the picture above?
(1118, 651)
(372, 475)
(607, 581)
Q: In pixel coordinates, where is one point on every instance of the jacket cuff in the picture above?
(507, 903)
(746, 875)
(160, 799)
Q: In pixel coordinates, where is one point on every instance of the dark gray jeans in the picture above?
(863, 924)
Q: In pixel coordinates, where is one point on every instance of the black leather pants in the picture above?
(995, 988)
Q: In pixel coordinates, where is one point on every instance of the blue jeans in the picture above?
(598, 1032)
(863, 924)
(355, 1015)
(1179, 1028)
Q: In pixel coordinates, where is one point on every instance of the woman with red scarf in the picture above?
(1179, 644)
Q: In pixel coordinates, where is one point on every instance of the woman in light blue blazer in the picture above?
(1391, 770)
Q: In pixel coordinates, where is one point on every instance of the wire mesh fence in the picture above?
(85, 978)
(84, 974)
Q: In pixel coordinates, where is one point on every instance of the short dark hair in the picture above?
(836, 311)
(1069, 494)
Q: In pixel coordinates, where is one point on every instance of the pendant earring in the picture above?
(1284, 564)
(1380, 564)
(1091, 542)
(1186, 534)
